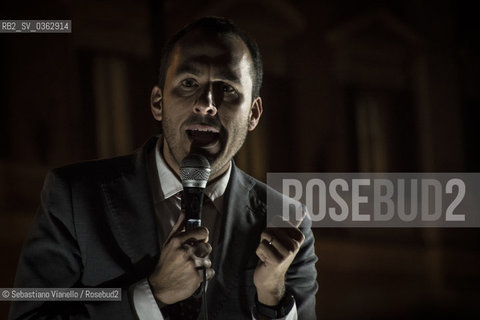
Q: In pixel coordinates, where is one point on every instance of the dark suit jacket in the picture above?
(96, 228)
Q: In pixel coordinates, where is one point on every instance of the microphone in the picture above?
(194, 173)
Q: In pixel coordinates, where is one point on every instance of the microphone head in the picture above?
(194, 171)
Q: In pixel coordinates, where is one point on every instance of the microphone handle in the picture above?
(192, 202)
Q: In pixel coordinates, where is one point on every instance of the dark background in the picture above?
(349, 86)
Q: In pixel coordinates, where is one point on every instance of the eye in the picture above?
(228, 89)
(189, 83)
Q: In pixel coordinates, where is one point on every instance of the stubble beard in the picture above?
(227, 152)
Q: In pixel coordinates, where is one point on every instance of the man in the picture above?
(118, 223)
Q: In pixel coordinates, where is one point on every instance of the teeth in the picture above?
(203, 128)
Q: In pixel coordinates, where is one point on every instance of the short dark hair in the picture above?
(215, 25)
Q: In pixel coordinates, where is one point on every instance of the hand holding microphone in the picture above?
(179, 272)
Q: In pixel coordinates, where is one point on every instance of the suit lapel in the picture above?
(128, 200)
(242, 225)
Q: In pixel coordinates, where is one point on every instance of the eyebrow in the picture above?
(188, 68)
(227, 75)
(223, 74)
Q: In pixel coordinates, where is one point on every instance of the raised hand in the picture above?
(276, 251)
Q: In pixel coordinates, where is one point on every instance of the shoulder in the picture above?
(96, 169)
(272, 201)
(82, 179)
(88, 174)
(249, 183)
(106, 169)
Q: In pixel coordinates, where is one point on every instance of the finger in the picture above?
(202, 249)
(267, 253)
(279, 247)
(210, 273)
(193, 270)
(277, 239)
(286, 233)
(199, 254)
(286, 240)
(269, 240)
(201, 263)
(293, 231)
(199, 234)
(266, 235)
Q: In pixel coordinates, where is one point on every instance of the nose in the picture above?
(205, 105)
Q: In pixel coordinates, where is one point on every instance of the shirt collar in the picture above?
(171, 185)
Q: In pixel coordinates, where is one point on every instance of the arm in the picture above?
(287, 264)
(302, 274)
(50, 257)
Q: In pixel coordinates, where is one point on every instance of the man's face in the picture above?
(206, 105)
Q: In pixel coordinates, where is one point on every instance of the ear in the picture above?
(255, 113)
(156, 103)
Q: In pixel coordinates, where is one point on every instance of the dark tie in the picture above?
(187, 309)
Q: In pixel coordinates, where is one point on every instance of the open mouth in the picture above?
(203, 135)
